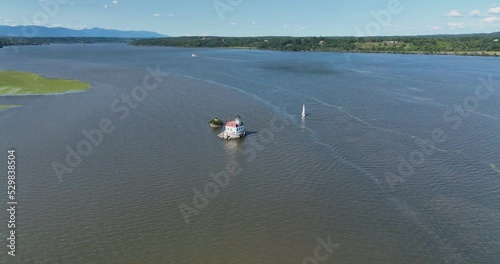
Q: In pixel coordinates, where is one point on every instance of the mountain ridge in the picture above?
(42, 31)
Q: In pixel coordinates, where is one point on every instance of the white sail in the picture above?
(303, 110)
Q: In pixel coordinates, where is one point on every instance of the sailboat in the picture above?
(303, 110)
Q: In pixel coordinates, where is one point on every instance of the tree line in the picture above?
(480, 44)
(472, 44)
(21, 41)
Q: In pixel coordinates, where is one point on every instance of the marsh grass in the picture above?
(13, 83)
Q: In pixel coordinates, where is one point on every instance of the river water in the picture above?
(397, 160)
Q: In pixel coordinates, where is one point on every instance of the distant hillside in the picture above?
(466, 44)
(17, 41)
(40, 31)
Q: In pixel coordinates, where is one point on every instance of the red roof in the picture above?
(232, 124)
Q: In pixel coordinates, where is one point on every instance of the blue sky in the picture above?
(260, 17)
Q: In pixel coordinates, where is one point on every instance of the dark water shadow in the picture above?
(249, 133)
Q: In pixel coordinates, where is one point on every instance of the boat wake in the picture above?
(342, 110)
(486, 115)
(367, 124)
(226, 59)
(494, 167)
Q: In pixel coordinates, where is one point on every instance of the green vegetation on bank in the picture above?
(19, 41)
(3, 107)
(474, 44)
(19, 83)
(216, 121)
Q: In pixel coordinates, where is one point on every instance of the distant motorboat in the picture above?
(303, 110)
(194, 55)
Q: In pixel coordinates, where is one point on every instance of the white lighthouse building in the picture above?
(233, 129)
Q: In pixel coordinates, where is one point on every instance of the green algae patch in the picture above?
(24, 83)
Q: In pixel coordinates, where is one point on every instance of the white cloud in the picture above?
(294, 27)
(78, 27)
(494, 10)
(115, 2)
(454, 13)
(456, 25)
(6, 22)
(105, 6)
(253, 22)
(171, 15)
(491, 19)
(106, 27)
(475, 13)
(233, 24)
(434, 27)
(156, 15)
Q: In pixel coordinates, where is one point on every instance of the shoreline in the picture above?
(460, 45)
(444, 53)
(45, 94)
(440, 53)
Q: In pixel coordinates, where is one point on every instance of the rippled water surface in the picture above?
(397, 161)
